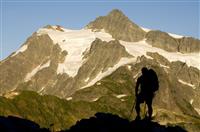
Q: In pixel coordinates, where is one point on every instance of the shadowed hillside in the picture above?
(105, 122)
(15, 124)
(101, 122)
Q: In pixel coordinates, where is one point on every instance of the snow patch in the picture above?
(164, 66)
(95, 99)
(145, 29)
(197, 110)
(87, 79)
(123, 61)
(136, 75)
(142, 47)
(191, 101)
(11, 95)
(129, 67)
(41, 89)
(34, 71)
(188, 84)
(99, 83)
(171, 34)
(69, 98)
(121, 96)
(75, 43)
(21, 49)
(175, 35)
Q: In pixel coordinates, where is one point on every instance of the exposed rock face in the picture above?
(39, 50)
(119, 26)
(100, 57)
(45, 78)
(165, 41)
(162, 40)
(189, 44)
(182, 81)
(172, 92)
(160, 59)
(188, 79)
(57, 27)
(188, 74)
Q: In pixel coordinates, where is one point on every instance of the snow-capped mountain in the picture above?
(68, 63)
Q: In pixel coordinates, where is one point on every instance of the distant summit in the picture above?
(116, 12)
(119, 26)
(122, 28)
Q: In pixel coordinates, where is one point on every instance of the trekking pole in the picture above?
(145, 112)
(132, 108)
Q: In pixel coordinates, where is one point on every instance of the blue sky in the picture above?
(20, 18)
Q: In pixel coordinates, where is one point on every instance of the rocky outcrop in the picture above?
(164, 41)
(187, 74)
(119, 26)
(40, 52)
(99, 58)
(57, 27)
(188, 45)
(185, 82)
(159, 58)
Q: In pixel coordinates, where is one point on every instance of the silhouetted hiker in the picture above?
(148, 84)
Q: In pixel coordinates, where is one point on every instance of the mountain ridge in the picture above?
(67, 55)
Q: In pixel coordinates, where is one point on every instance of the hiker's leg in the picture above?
(137, 106)
(150, 110)
(149, 105)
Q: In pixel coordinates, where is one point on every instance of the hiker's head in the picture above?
(144, 71)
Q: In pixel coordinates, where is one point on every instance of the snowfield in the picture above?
(123, 61)
(35, 70)
(140, 48)
(76, 42)
(171, 34)
(21, 49)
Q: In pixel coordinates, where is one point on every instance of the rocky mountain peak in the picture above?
(57, 27)
(116, 12)
(119, 26)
